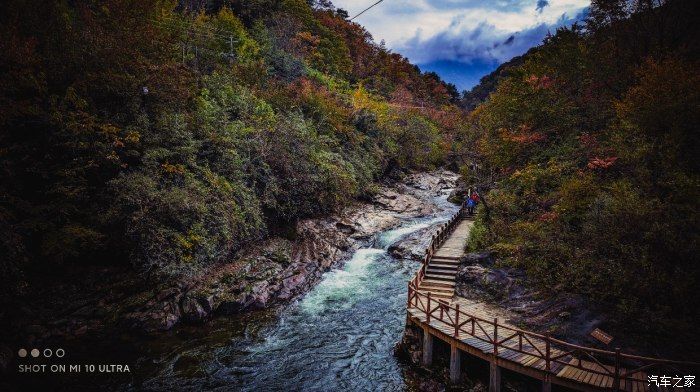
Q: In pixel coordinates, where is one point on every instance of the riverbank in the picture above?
(339, 335)
(273, 272)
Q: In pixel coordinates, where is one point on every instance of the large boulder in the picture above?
(477, 258)
(412, 246)
(479, 278)
(196, 309)
(458, 193)
(411, 345)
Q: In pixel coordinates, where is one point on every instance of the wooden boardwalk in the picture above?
(432, 306)
(439, 279)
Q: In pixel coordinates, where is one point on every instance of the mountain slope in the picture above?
(588, 151)
(166, 138)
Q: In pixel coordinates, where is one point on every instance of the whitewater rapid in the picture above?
(340, 336)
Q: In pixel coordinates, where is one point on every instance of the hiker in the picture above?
(475, 198)
(470, 206)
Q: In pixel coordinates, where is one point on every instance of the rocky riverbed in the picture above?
(272, 272)
(200, 334)
(278, 270)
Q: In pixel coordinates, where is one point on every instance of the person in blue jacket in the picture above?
(470, 206)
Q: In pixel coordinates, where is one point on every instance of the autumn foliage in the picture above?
(167, 135)
(593, 141)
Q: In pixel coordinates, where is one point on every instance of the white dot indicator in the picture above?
(35, 353)
(22, 353)
(60, 352)
(48, 352)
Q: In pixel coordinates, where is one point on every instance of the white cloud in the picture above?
(403, 24)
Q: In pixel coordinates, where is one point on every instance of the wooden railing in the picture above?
(436, 241)
(616, 365)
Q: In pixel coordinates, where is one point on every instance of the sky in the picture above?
(463, 40)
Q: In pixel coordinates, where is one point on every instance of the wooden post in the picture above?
(427, 347)
(520, 341)
(494, 377)
(457, 320)
(495, 336)
(547, 353)
(547, 383)
(408, 299)
(455, 364)
(427, 312)
(616, 379)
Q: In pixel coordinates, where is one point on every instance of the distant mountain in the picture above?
(464, 75)
(478, 94)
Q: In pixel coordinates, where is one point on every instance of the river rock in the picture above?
(432, 183)
(411, 345)
(430, 385)
(413, 246)
(479, 278)
(193, 310)
(398, 202)
(154, 316)
(458, 194)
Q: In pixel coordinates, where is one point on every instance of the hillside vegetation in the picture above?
(487, 84)
(167, 135)
(591, 150)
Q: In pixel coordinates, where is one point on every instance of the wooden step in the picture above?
(445, 278)
(442, 269)
(442, 264)
(436, 295)
(445, 258)
(438, 283)
(439, 294)
(433, 291)
(444, 261)
(439, 259)
(435, 271)
(445, 290)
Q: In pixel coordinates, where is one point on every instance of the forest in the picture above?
(589, 152)
(168, 135)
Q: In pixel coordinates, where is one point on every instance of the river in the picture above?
(340, 336)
